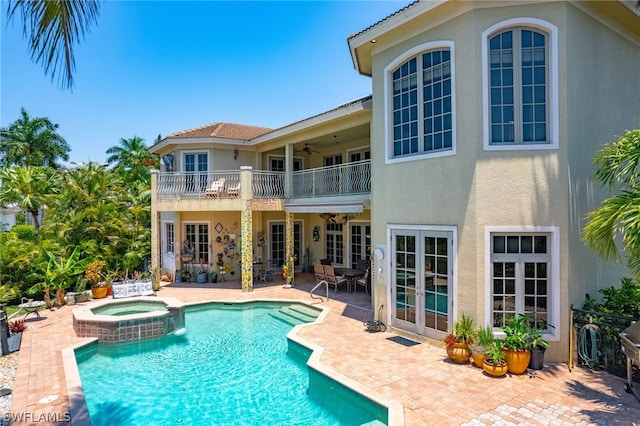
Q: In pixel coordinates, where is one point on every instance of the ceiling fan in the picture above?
(307, 149)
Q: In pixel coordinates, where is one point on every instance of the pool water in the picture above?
(129, 308)
(234, 366)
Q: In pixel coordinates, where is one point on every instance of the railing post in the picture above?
(246, 182)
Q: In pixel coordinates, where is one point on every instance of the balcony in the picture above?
(333, 181)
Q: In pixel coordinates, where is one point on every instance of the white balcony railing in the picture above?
(344, 179)
(194, 185)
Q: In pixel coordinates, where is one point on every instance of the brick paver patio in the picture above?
(432, 390)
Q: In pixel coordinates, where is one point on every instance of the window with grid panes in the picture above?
(520, 277)
(518, 87)
(422, 101)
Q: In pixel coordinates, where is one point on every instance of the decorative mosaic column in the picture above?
(247, 248)
(290, 260)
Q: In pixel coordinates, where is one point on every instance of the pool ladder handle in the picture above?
(313, 296)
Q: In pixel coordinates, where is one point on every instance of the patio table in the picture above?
(350, 274)
(31, 307)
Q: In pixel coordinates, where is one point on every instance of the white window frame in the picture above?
(554, 276)
(552, 86)
(388, 105)
(195, 152)
(197, 253)
(165, 237)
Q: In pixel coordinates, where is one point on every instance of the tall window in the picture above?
(422, 104)
(169, 237)
(521, 277)
(197, 236)
(520, 77)
(334, 246)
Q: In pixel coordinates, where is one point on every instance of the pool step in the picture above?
(310, 312)
(373, 423)
(293, 316)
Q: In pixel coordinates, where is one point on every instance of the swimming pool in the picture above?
(233, 366)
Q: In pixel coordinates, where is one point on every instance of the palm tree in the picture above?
(32, 142)
(53, 27)
(132, 160)
(618, 216)
(29, 188)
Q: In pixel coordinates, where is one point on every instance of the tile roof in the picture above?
(222, 130)
(383, 19)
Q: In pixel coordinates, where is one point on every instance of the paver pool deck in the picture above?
(432, 390)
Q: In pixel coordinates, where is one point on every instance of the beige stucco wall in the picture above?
(475, 188)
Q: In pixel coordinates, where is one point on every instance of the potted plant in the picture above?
(214, 276)
(202, 275)
(494, 363)
(16, 327)
(458, 341)
(98, 281)
(480, 346)
(81, 290)
(186, 276)
(538, 346)
(155, 277)
(517, 344)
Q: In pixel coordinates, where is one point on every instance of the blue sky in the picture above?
(157, 67)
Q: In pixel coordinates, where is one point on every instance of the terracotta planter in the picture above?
(478, 359)
(109, 290)
(517, 361)
(459, 353)
(495, 370)
(99, 292)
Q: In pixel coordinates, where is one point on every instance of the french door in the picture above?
(196, 166)
(278, 238)
(360, 242)
(421, 275)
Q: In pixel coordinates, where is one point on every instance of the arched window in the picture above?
(422, 110)
(520, 85)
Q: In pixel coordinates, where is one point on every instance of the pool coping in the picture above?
(78, 406)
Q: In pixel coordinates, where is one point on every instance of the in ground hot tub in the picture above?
(129, 321)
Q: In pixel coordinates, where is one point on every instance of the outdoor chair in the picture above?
(216, 188)
(333, 279)
(363, 281)
(318, 271)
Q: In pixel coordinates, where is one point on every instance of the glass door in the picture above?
(196, 166)
(360, 243)
(278, 249)
(421, 281)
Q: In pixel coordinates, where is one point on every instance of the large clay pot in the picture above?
(495, 370)
(459, 353)
(517, 361)
(478, 359)
(99, 292)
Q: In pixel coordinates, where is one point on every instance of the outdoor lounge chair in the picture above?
(216, 188)
(318, 271)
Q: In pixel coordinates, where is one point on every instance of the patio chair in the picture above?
(318, 271)
(216, 188)
(333, 279)
(363, 281)
(268, 273)
(233, 191)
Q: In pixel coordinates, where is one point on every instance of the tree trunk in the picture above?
(34, 216)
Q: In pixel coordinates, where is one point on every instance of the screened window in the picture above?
(422, 104)
(519, 87)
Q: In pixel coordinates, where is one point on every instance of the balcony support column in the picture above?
(288, 169)
(247, 248)
(289, 246)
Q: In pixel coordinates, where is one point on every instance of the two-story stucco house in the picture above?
(466, 175)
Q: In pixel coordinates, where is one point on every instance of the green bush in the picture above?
(622, 301)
